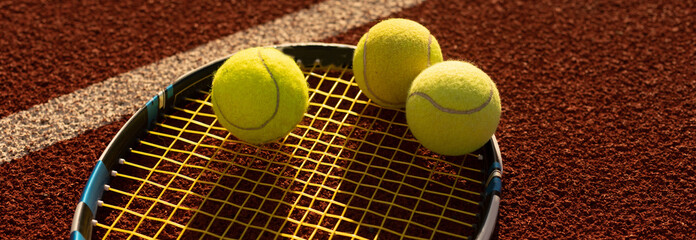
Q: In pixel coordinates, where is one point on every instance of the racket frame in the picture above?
(306, 54)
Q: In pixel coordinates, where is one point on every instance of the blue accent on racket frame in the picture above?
(76, 235)
(170, 91)
(495, 165)
(95, 186)
(495, 186)
(152, 110)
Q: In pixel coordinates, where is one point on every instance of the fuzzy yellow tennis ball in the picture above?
(259, 95)
(389, 56)
(453, 108)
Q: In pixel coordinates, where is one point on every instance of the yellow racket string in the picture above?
(314, 118)
(176, 174)
(135, 196)
(323, 180)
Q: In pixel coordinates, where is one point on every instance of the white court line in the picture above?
(67, 116)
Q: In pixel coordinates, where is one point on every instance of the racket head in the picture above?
(315, 56)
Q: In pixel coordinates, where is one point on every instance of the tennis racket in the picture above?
(349, 170)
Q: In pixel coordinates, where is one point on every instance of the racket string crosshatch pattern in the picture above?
(350, 170)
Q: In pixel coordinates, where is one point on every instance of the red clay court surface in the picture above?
(599, 107)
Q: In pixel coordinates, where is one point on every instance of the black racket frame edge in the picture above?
(306, 54)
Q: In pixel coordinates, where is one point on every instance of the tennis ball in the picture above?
(453, 108)
(259, 95)
(389, 56)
